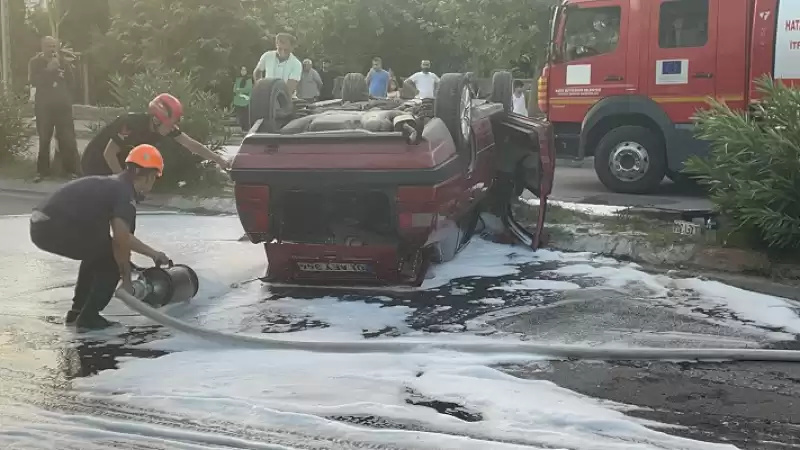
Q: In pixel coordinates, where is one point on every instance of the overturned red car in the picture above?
(362, 191)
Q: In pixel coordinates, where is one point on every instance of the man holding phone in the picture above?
(53, 78)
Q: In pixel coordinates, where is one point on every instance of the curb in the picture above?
(746, 269)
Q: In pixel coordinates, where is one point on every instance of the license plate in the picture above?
(334, 267)
(686, 228)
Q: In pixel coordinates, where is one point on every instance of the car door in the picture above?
(682, 56)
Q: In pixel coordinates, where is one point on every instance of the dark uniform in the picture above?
(53, 110)
(127, 131)
(74, 222)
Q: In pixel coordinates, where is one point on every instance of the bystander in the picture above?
(378, 79)
(242, 88)
(281, 63)
(52, 77)
(310, 86)
(328, 76)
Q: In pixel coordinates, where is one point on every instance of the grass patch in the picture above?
(656, 232)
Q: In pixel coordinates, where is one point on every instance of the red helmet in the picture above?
(167, 109)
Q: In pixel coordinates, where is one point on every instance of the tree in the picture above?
(351, 32)
(499, 33)
(752, 170)
(24, 43)
(204, 38)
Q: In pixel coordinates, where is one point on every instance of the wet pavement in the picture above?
(126, 389)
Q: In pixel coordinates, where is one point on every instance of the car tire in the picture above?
(453, 87)
(354, 88)
(631, 160)
(270, 101)
(503, 89)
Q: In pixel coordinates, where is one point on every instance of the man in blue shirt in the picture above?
(378, 79)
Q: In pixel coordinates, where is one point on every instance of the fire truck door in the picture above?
(682, 56)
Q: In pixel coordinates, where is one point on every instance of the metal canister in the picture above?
(173, 284)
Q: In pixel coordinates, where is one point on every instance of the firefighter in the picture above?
(74, 223)
(107, 150)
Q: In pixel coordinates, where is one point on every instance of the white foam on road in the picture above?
(482, 258)
(623, 276)
(764, 310)
(298, 392)
(585, 208)
(535, 285)
(204, 396)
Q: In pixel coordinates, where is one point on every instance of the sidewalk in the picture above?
(216, 205)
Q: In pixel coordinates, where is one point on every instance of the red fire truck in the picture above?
(625, 77)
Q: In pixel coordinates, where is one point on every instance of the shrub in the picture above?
(15, 132)
(753, 171)
(203, 120)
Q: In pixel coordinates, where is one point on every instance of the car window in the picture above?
(683, 24)
(591, 32)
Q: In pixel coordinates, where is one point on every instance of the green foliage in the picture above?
(753, 172)
(15, 132)
(499, 33)
(209, 39)
(203, 120)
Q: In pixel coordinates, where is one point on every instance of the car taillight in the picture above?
(252, 204)
(542, 91)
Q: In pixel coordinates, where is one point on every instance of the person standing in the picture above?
(378, 79)
(52, 77)
(328, 76)
(242, 88)
(310, 85)
(518, 102)
(281, 63)
(425, 82)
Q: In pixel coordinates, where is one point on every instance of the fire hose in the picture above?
(401, 346)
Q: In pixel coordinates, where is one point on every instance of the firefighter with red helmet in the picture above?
(105, 154)
(74, 223)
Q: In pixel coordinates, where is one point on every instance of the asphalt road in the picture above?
(580, 185)
(749, 405)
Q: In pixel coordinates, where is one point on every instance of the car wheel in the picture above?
(270, 102)
(503, 89)
(631, 160)
(454, 106)
(354, 88)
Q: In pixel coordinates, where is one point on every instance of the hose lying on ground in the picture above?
(399, 346)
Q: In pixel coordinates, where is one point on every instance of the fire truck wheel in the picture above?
(270, 100)
(630, 160)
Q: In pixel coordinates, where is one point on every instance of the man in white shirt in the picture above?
(425, 82)
(518, 103)
(281, 63)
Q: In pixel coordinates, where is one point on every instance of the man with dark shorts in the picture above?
(74, 223)
(105, 153)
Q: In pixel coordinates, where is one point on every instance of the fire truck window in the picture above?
(591, 32)
(683, 24)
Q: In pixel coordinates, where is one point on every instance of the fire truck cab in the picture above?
(625, 77)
